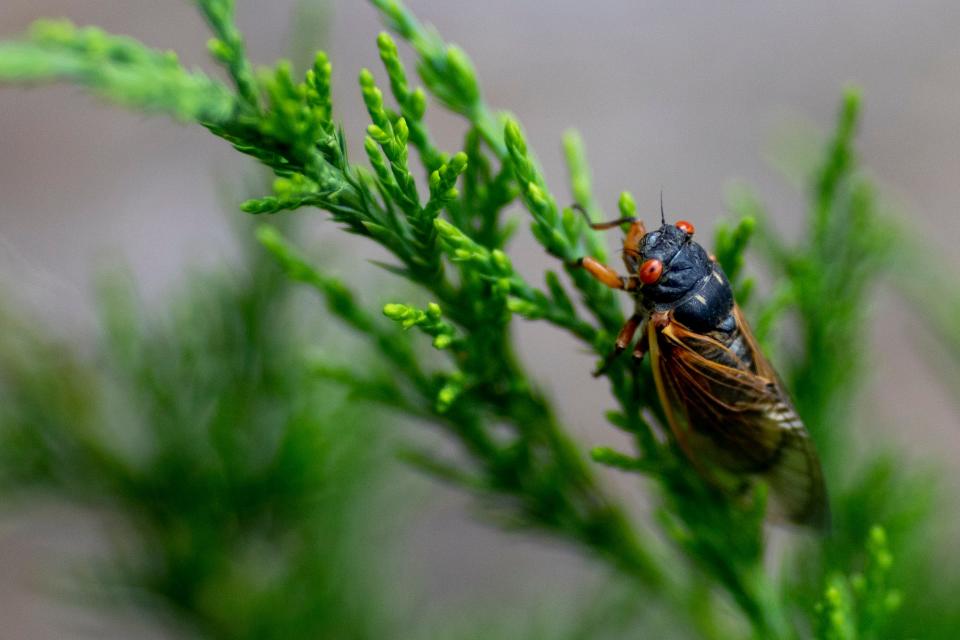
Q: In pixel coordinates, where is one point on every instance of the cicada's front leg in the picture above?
(605, 274)
(631, 243)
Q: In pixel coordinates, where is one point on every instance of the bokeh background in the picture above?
(683, 97)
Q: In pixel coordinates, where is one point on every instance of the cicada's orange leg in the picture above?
(611, 224)
(631, 242)
(640, 350)
(605, 274)
(636, 231)
(637, 228)
(624, 338)
(609, 277)
(601, 226)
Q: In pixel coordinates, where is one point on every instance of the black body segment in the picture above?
(708, 304)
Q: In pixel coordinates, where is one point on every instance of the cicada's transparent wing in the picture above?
(728, 409)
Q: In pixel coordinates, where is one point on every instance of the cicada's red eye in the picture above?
(650, 271)
(685, 226)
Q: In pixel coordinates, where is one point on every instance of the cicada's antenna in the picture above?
(663, 218)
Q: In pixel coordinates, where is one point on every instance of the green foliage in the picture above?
(245, 486)
(730, 244)
(827, 281)
(429, 321)
(836, 612)
(825, 287)
(116, 68)
(856, 607)
(228, 48)
(702, 557)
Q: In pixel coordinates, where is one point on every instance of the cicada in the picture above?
(726, 406)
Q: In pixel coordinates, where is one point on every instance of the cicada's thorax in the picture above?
(694, 290)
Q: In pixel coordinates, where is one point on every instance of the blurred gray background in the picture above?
(673, 95)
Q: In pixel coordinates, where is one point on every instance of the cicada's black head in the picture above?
(668, 263)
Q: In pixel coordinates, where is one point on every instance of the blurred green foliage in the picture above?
(245, 475)
(247, 489)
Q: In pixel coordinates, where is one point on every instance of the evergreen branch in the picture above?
(340, 301)
(855, 607)
(730, 246)
(836, 612)
(828, 279)
(495, 267)
(562, 236)
(392, 138)
(116, 68)
(562, 495)
(413, 104)
(447, 72)
(228, 47)
(615, 459)
(582, 189)
(292, 193)
(840, 161)
(430, 322)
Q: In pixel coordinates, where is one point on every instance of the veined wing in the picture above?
(728, 409)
